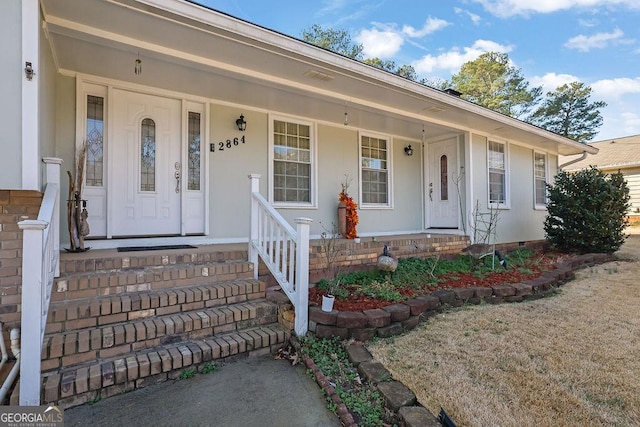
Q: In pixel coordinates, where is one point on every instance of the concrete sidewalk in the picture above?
(250, 392)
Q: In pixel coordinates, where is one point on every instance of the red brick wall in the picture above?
(15, 206)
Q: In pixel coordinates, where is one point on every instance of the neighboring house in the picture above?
(167, 161)
(618, 154)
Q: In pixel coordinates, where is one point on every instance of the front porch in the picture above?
(119, 321)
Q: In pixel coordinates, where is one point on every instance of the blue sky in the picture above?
(552, 41)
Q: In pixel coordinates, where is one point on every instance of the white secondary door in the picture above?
(442, 194)
(146, 165)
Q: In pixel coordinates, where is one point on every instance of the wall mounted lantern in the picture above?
(241, 123)
(28, 71)
(137, 69)
(408, 150)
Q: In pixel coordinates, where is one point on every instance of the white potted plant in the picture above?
(329, 298)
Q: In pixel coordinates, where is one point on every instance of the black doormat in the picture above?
(153, 248)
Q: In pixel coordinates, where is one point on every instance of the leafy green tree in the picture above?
(587, 211)
(492, 82)
(568, 112)
(338, 41)
(385, 64)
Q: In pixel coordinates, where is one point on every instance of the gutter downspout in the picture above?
(584, 156)
(15, 349)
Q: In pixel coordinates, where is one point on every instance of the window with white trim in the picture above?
(540, 179)
(497, 165)
(292, 151)
(374, 171)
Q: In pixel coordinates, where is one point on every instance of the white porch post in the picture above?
(53, 177)
(253, 230)
(32, 309)
(30, 98)
(302, 276)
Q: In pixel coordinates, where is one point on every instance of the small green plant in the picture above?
(209, 368)
(188, 374)
(95, 399)
(361, 398)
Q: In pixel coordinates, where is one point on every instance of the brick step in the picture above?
(106, 377)
(108, 282)
(97, 311)
(65, 349)
(110, 259)
(69, 348)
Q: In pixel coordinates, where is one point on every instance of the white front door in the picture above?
(146, 165)
(442, 193)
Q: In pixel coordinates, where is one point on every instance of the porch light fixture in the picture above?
(28, 71)
(241, 123)
(138, 67)
(408, 150)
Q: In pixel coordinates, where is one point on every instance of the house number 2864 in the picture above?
(226, 145)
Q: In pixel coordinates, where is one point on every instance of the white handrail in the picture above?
(40, 265)
(284, 251)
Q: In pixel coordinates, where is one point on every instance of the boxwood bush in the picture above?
(587, 211)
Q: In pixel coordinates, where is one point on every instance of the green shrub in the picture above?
(587, 211)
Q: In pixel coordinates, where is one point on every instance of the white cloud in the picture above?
(431, 25)
(506, 8)
(597, 41)
(451, 61)
(611, 89)
(382, 42)
(551, 81)
(474, 18)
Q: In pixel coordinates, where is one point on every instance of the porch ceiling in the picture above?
(188, 48)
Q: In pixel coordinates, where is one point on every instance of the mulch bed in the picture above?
(356, 302)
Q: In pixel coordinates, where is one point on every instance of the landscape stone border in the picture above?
(398, 318)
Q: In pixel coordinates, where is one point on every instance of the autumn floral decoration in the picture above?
(351, 209)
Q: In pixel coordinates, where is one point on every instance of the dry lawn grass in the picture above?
(568, 360)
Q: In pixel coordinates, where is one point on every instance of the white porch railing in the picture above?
(285, 252)
(40, 264)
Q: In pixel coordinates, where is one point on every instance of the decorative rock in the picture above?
(503, 290)
(377, 317)
(399, 312)
(364, 334)
(396, 395)
(410, 323)
(374, 372)
(464, 293)
(432, 301)
(351, 319)
(391, 330)
(416, 306)
(417, 416)
(522, 289)
(322, 317)
(358, 354)
(514, 298)
(445, 296)
(482, 293)
(324, 331)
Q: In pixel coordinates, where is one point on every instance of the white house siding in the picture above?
(10, 88)
(336, 156)
(519, 221)
(47, 94)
